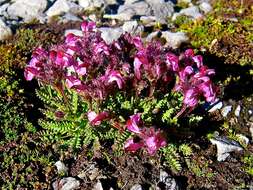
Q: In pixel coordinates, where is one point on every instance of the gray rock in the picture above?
(174, 40)
(152, 35)
(168, 181)
(136, 187)
(225, 110)
(110, 34)
(61, 168)
(67, 183)
(162, 10)
(5, 31)
(132, 27)
(123, 16)
(148, 20)
(217, 106)
(205, 7)
(192, 12)
(63, 6)
(27, 9)
(98, 186)
(238, 111)
(225, 146)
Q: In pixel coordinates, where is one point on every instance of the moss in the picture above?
(226, 32)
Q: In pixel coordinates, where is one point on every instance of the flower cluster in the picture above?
(95, 69)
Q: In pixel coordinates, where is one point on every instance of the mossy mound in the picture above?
(226, 32)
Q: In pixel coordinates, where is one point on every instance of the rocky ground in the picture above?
(150, 19)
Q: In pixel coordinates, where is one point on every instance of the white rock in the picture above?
(67, 183)
(192, 12)
(168, 181)
(123, 16)
(27, 9)
(63, 6)
(132, 27)
(89, 4)
(243, 139)
(5, 31)
(110, 34)
(237, 111)
(140, 8)
(224, 147)
(61, 167)
(205, 7)
(98, 186)
(251, 129)
(136, 187)
(73, 31)
(3, 9)
(174, 40)
(70, 17)
(148, 20)
(217, 106)
(151, 36)
(225, 111)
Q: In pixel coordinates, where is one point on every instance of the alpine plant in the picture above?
(96, 70)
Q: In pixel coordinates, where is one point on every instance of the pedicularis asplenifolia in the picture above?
(97, 70)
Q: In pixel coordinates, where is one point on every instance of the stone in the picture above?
(67, 183)
(205, 7)
(225, 110)
(192, 12)
(215, 106)
(124, 16)
(110, 34)
(61, 168)
(5, 31)
(243, 139)
(251, 129)
(73, 31)
(70, 17)
(136, 187)
(224, 147)
(3, 9)
(168, 181)
(27, 9)
(63, 6)
(90, 4)
(132, 27)
(237, 111)
(162, 10)
(98, 186)
(175, 39)
(140, 8)
(148, 20)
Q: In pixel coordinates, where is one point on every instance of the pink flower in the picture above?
(115, 76)
(189, 53)
(172, 61)
(154, 141)
(133, 122)
(87, 26)
(191, 97)
(72, 81)
(139, 60)
(30, 73)
(96, 119)
(132, 146)
(198, 59)
(101, 47)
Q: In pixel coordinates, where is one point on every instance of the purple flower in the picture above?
(189, 53)
(191, 97)
(133, 122)
(72, 81)
(154, 141)
(140, 59)
(101, 47)
(198, 59)
(132, 146)
(115, 76)
(96, 119)
(87, 26)
(172, 61)
(30, 73)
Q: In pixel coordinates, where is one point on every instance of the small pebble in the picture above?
(225, 111)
